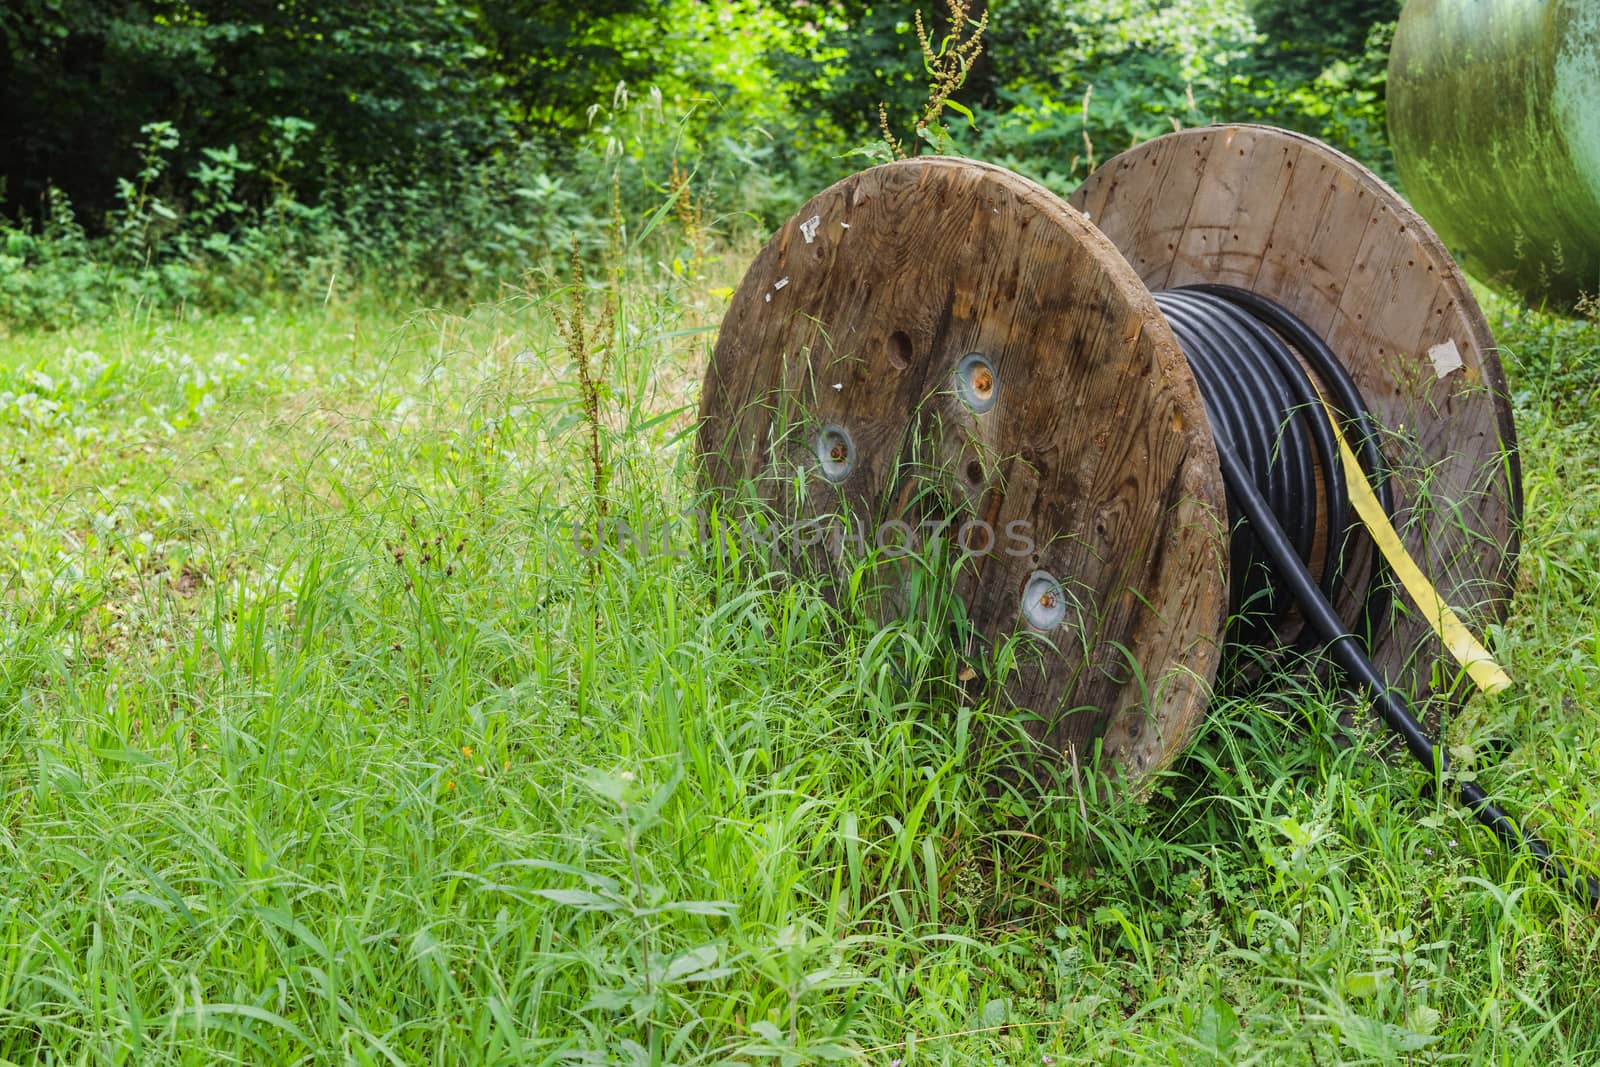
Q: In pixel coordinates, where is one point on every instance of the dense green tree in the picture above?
(391, 94)
(76, 82)
(1305, 37)
(862, 53)
(407, 87)
(553, 58)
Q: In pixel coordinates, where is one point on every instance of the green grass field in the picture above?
(324, 739)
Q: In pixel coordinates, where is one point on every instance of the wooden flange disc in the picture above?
(1294, 220)
(939, 340)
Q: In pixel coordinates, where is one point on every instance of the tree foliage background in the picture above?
(462, 139)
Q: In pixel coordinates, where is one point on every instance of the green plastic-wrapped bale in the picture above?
(1494, 114)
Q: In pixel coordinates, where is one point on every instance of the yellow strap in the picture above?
(1456, 637)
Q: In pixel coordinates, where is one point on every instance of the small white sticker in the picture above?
(808, 228)
(1446, 358)
(780, 283)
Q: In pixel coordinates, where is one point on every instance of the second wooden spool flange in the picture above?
(1292, 219)
(944, 330)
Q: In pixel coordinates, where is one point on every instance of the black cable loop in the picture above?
(1272, 437)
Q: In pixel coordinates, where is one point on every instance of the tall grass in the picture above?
(334, 730)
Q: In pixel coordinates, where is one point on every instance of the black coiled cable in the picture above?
(1273, 440)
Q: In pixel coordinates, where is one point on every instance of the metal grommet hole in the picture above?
(835, 452)
(976, 382)
(1044, 602)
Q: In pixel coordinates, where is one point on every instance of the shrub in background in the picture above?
(220, 150)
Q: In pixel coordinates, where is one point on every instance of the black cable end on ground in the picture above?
(1585, 887)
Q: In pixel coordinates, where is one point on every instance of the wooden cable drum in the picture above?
(943, 339)
(1494, 114)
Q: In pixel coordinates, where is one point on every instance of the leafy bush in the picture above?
(447, 148)
(1065, 84)
(464, 231)
(396, 85)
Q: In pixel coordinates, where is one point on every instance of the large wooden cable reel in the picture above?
(940, 329)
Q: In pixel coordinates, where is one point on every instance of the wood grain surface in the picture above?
(834, 395)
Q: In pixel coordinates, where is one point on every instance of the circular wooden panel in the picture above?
(942, 340)
(1294, 220)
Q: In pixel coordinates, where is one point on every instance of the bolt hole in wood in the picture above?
(899, 350)
(975, 538)
(975, 472)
